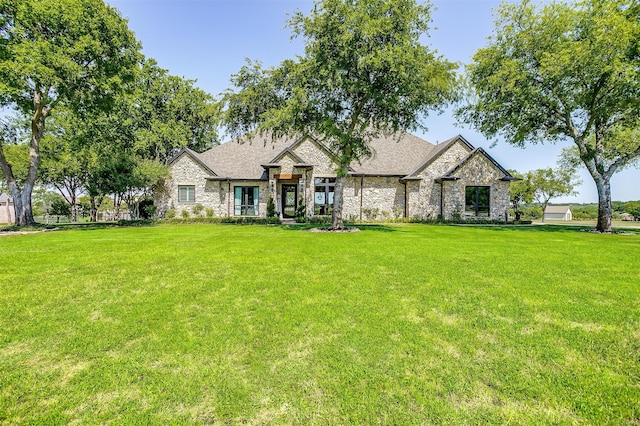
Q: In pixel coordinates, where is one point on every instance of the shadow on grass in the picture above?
(87, 226)
(361, 226)
(550, 228)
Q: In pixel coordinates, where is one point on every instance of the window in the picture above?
(477, 201)
(323, 196)
(186, 194)
(245, 201)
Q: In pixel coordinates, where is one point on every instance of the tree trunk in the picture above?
(336, 218)
(21, 196)
(93, 210)
(74, 206)
(603, 184)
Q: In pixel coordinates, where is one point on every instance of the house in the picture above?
(558, 213)
(406, 176)
(7, 212)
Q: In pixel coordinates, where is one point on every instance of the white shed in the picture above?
(7, 214)
(558, 213)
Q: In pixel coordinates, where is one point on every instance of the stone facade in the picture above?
(426, 189)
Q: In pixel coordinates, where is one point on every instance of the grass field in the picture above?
(406, 324)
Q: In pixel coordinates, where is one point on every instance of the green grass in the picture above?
(404, 324)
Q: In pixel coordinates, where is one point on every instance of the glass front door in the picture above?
(289, 200)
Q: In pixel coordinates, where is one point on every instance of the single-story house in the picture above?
(7, 212)
(558, 213)
(406, 176)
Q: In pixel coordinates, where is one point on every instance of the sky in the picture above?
(209, 40)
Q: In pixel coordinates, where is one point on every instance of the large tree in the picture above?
(564, 71)
(123, 151)
(170, 113)
(72, 52)
(364, 72)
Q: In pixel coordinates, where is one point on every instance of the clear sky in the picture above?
(208, 41)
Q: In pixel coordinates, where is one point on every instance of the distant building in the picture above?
(558, 213)
(627, 217)
(7, 213)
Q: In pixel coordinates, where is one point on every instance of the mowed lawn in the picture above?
(406, 324)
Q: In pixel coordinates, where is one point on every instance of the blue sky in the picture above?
(208, 41)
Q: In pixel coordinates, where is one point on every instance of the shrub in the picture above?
(197, 209)
(209, 212)
(185, 214)
(170, 214)
(271, 207)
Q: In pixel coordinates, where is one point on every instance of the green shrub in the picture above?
(170, 214)
(209, 212)
(197, 209)
(271, 207)
(185, 214)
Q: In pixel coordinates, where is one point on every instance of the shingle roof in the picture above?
(243, 158)
(400, 155)
(396, 155)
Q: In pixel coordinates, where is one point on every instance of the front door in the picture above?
(289, 200)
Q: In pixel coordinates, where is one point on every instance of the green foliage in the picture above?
(209, 212)
(135, 331)
(364, 73)
(76, 53)
(59, 207)
(170, 214)
(185, 214)
(564, 70)
(197, 209)
(271, 207)
(633, 208)
(170, 113)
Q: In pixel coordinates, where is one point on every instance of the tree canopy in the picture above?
(364, 72)
(564, 71)
(72, 52)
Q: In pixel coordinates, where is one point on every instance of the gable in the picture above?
(479, 167)
(312, 152)
(186, 169)
(446, 157)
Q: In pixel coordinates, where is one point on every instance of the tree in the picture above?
(633, 208)
(170, 113)
(549, 183)
(521, 192)
(72, 52)
(364, 73)
(564, 71)
(64, 161)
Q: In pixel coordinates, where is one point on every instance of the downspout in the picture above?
(406, 200)
(228, 197)
(361, 188)
(442, 199)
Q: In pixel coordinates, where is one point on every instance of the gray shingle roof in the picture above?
(399, 155)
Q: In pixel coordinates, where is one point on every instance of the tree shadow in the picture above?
(325, 227)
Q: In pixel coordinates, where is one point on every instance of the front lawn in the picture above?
(406, 324)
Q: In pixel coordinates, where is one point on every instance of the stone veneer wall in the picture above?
(212, 194)
(424, 195)
(478, 171)
(373, 197)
